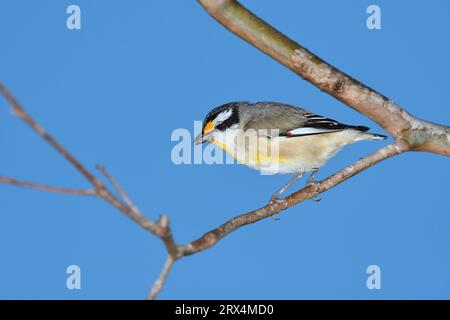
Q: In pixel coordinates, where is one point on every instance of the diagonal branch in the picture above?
(159, 228)
(20, 112)
(212, 237)
(118, 188)
(159, 283)
(36, 186)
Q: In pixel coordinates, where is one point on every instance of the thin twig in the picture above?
(159, 283)
(99, 188)
(23, 115)
(160, 228)
(36, 186)
(118, 188)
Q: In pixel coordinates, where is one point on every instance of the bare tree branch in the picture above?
(159, 283)
(31, 185)
(20, 112)
(167, 238)
(410, 133)
(212, 237)
(118, 188)
(159, 228)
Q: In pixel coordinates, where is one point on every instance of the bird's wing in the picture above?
(316, 124)
(291, 121)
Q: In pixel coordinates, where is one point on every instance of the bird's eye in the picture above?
(208, 127)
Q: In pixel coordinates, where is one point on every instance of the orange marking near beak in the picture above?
(208, 127)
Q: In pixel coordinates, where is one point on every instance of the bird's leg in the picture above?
(312, 178)
(312, 181)
(276, 196)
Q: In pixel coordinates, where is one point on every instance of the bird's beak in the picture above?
(201, 138)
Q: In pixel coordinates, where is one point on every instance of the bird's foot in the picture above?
(275, 218)
(315, 198)
(312, 182)
(278, 201)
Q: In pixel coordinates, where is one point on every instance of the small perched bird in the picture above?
(278, 138)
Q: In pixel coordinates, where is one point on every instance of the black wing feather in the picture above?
(328, 125)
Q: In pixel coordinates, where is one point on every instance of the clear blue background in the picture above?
(113, 93)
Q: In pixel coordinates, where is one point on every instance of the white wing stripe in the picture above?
(302, 131)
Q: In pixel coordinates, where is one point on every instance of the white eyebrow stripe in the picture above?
(224, 115)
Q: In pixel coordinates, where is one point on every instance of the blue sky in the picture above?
(114, 91)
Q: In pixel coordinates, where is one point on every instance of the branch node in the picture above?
(162, 230)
